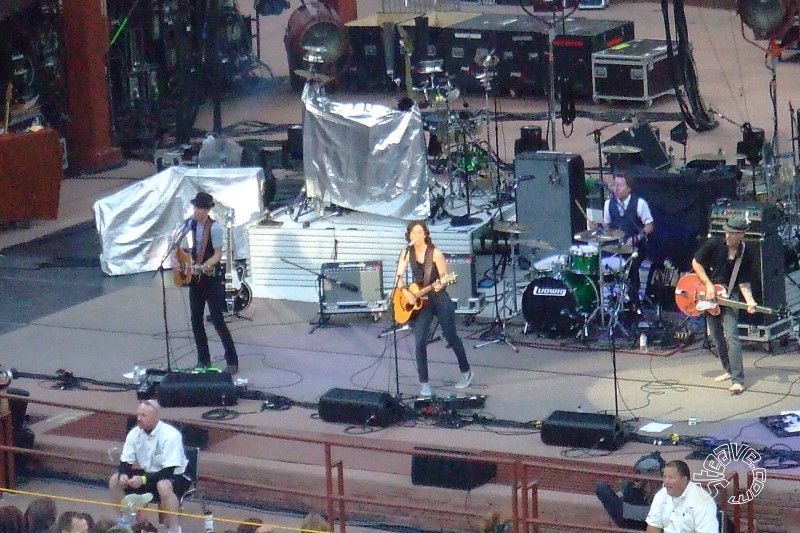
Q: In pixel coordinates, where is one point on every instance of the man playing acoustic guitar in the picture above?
(428, 269)
(203, 274)
(730, 263)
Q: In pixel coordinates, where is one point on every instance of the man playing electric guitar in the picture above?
(729, 262)
(428, 267)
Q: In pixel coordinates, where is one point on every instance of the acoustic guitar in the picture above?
(690, 297)
(184, 270)
(404, 311)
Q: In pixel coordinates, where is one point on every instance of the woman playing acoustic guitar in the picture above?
(429, 276)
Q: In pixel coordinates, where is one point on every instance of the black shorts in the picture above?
(180, 484)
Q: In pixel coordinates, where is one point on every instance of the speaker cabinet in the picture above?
(550, 189)
(352, 286)
(190, 390)
(463, 265)
(583, 430)
(450, 473)
(360, 407)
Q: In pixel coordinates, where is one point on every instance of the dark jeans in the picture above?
(724, 332)
(442, 307)
(211, 291)
(613, 504)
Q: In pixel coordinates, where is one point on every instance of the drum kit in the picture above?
(573, 289)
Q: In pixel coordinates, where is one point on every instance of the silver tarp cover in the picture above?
(366, 157)
(138, 223)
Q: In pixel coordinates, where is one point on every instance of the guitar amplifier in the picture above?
(353, 287)
(464, 292)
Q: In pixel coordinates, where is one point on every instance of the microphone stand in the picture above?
(173, 245)
(322, 319)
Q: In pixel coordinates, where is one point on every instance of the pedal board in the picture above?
(452, 403)
(148, 388)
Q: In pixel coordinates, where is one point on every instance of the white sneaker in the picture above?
(425, 390)
(722, 377)
(466, 379)
(133, 502)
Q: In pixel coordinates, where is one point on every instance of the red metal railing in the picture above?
(524, 493)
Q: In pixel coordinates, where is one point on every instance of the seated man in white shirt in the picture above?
(152, 460)
(682, 506)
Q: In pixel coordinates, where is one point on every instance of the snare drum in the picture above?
(555, 305)
(584, 259)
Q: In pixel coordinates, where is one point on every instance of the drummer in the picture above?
(630, 214)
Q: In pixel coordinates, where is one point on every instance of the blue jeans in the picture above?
(724, 332)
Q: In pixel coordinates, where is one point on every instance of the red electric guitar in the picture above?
(690, 297)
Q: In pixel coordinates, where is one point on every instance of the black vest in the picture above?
(209, 248)
(629, 221)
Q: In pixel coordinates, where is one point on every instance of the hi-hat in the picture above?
(599, 235)
(620, 149)
(313, 76)
(536, 243)
(430, 66)
(511, 227)
(618, 249)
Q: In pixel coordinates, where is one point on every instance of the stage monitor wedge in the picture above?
(583, 430)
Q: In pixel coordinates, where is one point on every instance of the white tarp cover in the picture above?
(366, 157)
(137, 224)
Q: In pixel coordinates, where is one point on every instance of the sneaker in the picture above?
(722, 377)
(201, 369)
(425, 390)
(133, 502)
(466, 379)
(232, 369)
(736, 388)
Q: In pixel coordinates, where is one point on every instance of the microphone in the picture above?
(349, 286)
(411, 244)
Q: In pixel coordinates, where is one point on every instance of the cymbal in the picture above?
(599, 235)
(618, 249)
(511, 227)
(429, 66)
(313, 76)
(726, 159)
(536, 243)
(620, 149)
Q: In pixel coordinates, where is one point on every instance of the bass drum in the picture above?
(555, 305)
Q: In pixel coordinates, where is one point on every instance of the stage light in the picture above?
(769, 19)
(315, 27)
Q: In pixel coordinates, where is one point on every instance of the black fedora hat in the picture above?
(203, 200)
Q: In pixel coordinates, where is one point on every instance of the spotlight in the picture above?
(678, 134)
(769, 19)
(315, 29)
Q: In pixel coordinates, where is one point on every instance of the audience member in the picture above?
(41, 514)
(144, 527)
(682, 506)
(71, 522)
(250, 525)
(313, 522)
(103, 525)
(629, 507)
(12, 520)
(152, 461)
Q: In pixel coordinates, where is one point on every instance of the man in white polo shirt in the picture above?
(682, 506)
(152, 461)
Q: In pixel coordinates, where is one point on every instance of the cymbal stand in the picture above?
(496, 332)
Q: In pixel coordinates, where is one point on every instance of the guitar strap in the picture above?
(428, 266)
(206, 238)
(735, 272)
